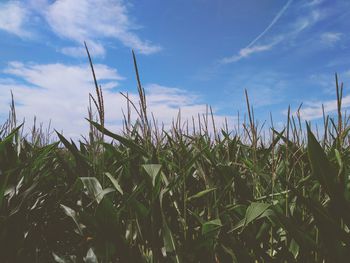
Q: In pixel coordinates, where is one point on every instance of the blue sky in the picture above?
(190, 54)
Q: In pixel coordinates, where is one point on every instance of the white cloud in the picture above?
(78, 21)
(313, 109)
(331, 38)
(55, 91)
(59, 92)
(170, 96)
(94, 48)
(85, 20)
(13, 17)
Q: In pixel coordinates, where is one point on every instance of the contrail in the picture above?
(249, 49)
(280, 13)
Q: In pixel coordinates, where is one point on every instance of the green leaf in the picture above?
(168, 238)
(127, 142)
(152, 170)
(4, 175)
(320, 164)
(107, 217)
(114, 182)
(254, 211)
(103, 193)
(94, 188)
(58, 259)
(72, 214)
(90, 257)
(339, 159)
(211, 226)
(140, 208)
(239, 225)
(3, 185)
(304, 239)
(230, 252)
(64, 259)
(201, 193)
(80, 159)
(294, 248)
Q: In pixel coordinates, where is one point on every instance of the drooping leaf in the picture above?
(153, 171)
(294, 248)
(90, 257)
(211, 226)
(114, 182)
(321, 166)
(82, 162)
(255, 210)
(58, 259)
(72, 214)
(94, 188)
(127, 142)
(231, 253)
(201, 193)
(168, 237)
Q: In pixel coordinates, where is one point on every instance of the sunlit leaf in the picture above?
(72, 214)
(255, 210)
(114, 182)
(90, 257)
(201, 194)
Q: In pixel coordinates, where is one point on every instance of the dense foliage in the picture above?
(155, 196)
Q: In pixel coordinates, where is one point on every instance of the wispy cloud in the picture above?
(95, 48)
(313, 110)
(305, 21)
(13, 17)
(324, 82)
(247, 51)
(331, 38)
(265, 88)
(313, 3)
(251, 48)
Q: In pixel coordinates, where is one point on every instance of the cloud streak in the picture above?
(247, 51)
(301, 23)
(331, 38)
(250, 48)
(273, 22)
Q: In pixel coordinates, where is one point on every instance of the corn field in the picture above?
(186, 194)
